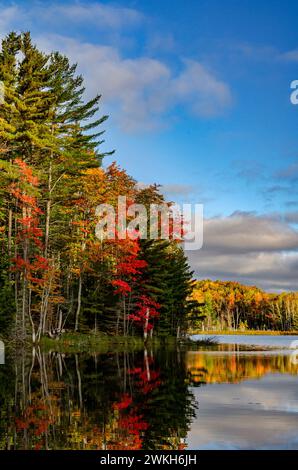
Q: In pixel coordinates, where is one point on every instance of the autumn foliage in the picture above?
(230, 305)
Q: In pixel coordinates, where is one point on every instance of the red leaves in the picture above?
(147, 310)
(31, 268)
(30, 230)
(122, 287)
(26, 172)
(148, 379)
(125, 402)
(20, 424)
(35, 417)
(21, 196)
(29, 236)
(40, 263)
(134, 424)
(20, 264)
(129, 266)
(132, 409)
(136, 370)
(144, 300)
(19, 190)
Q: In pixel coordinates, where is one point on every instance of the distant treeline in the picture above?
(228, 305)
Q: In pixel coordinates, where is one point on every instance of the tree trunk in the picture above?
(147, 365)
(24, 303)
(78, 304)
(9, 237)
(16, 276)
(59, 328)
(146, 325)
(79, 382)
(34, 338)
(124, 317)
(48, 211)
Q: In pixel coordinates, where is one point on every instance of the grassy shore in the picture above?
(83, 342)
(102, 343)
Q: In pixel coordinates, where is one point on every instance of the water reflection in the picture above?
(252, 414)
(250, 401)
(235, 367)
(137, 400)
(105, 401)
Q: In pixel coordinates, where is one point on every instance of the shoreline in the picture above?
(245, 332)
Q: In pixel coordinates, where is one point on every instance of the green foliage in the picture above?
(7, 304)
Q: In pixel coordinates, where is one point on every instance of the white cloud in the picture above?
(244, 416)
(264, 53)
(289, 173)
(7, 17)
(292, 217)
(143, 90)
(176, 189)
(141, 93)
(98, 14)
(253, 249)
(290, 56)
(245, 232)
(205, 94)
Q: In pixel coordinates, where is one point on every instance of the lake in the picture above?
(274, 341)
(157, 398)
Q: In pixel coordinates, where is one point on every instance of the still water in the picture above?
(222, 398)
(274, 341)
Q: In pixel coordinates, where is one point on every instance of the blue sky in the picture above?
(198, 94)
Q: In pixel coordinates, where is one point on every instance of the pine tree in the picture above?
(45, 122)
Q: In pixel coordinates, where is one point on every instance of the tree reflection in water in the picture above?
(98, 401)
(136, 400)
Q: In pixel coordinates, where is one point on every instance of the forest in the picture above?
(55, 274)
(226, 305)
